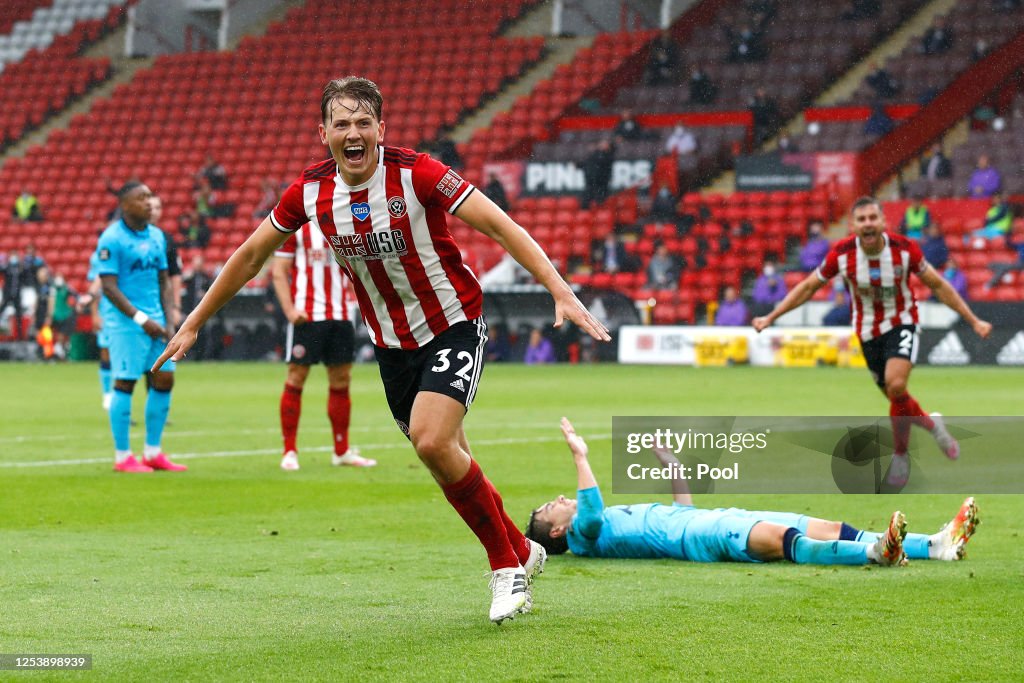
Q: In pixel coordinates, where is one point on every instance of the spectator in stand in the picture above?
(496, 191)
(663, 269)
(214, 174)
(610, 255)
(882, 82)
(628, 128)
(862, 9)
(702, 88)
(681, 141)
(765, 112)
(839, 314)
(497, 348)
(205, 197)
(998, 220)
(814, 249)
(269, 195)
(916, 219)
(663, 208)
(731, 310)
(999, 269)
(938, 38)
(539, 350)
(769, 289)
(761, 11)
(195, 282)
(26, 207)
(934, 246)
(745, 45)
(447, 152)
(936, 165)
(980, 50)
(879, 123)
(985, 181)
(193, 229)
(663, 63)
(956, 279)
(597, 172)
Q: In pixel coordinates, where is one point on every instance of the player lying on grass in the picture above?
(683, 532)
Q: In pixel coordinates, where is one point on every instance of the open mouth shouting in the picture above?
(355, 154)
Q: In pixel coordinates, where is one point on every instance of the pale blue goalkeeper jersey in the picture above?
(635, 531)
(136, 258)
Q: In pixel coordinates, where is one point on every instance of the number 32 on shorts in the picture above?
(444, 363)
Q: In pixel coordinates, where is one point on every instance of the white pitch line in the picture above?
(171, 434)
(277, 451)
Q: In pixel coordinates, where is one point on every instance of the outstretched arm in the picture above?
(680, 489)
(584, 476)
(945, 293)
(796, 297)
(590, 505)
(485, 216)
(243, 266)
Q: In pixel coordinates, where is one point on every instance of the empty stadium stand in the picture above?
(920, 76)
(255, 109)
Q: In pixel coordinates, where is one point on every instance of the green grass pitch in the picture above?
(236, 570)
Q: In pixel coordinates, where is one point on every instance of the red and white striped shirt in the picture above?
(319, 287)
(391, 236)
(878, 284)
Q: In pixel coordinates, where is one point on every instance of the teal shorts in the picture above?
(721, 535)
(133, 353)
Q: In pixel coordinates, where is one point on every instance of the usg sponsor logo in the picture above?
(371, 246)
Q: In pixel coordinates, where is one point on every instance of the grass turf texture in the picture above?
(236, 570)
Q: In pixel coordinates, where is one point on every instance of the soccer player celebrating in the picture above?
(876, 267)
(382, 211)
(684, 532)
(314, 295)
(132, 266)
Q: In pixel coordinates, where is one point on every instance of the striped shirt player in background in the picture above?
(382, 210)
(876, 266)
(315, 297)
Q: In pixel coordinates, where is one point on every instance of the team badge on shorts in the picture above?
(396, 207)
(298, 351)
